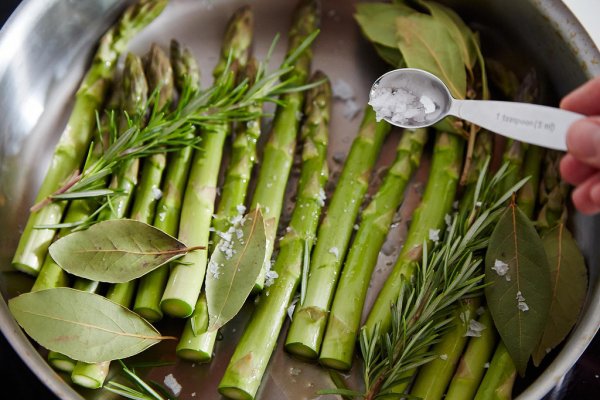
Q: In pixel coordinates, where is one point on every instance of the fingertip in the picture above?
(574, 171)
(586, 197)
(583, 141)
(583, 98)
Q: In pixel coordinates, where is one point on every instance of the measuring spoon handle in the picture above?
(531, 123)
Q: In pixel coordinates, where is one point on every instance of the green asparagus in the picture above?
(344, 320)
(308, 325)
(71, 149)
(185, 281)
(279, 150)
(246, 368)
(427, 219)
(151, 286)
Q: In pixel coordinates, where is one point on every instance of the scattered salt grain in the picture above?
(241, 209)
(193, 394)
(322, 197)
(335, 251)
(501, 269)
(342, 90)
(351, 109)
(434, 235)
(475, 328)
(444, 356)
(521, 305)
(486, 365)
(213, 269)
(295, 371)
(172, 384)
(270, 277)
(156, 193)
(448, 219)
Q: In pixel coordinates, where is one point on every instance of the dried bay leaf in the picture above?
(569, 288)
(82, 325)
(116, 251)
(378, 21)
(459, 31)
(518, 290)
(233, 269)
(426, 43)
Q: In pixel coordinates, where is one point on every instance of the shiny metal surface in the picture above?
(43, 51)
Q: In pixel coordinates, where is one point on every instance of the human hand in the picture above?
(581, 165)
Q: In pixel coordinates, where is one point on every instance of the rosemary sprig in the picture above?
(141, 391)
(450, 271)
(164, 130)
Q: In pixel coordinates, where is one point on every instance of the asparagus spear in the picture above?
(249, 361)
(185, 281)
(159, 77)
(306, 331)
(553, 193)
(239, 170)
(433, 378)
(344, 320)
(135, 92)
(72, 146)
(279, 151)
(526, 198)
(195, 346)
(498, 381)
(473, 362)
(427, 218)
(151, 285)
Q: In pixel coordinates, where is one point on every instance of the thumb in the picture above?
(583, 141)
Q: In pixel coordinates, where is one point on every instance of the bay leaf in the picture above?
(233, 269)
(116, 251)
(82, 325)
(458, 30)
(518, 290)
(378, 21)
(426, 43)
(569, 288)
(390, 55)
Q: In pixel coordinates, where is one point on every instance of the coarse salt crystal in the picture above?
(241, 209)
(322, 197)
(444, 356)
(434, 235)
(486, 365)
(270, 277)
(521, 305)
(156, 193)
(335, 251)
(475, 328)
(400, 105)
(172, 384)
(342, 90)
(501, 269)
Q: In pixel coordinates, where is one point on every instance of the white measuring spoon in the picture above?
(413, 98)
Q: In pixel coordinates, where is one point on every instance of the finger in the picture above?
(586, 197)
(584, 99)
(574, 171)
(583, 141)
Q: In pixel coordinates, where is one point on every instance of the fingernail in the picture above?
(583, 139)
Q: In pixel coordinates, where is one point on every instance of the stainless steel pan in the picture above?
(44, 48)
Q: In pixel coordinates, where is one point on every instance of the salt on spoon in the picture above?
(413, 98)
